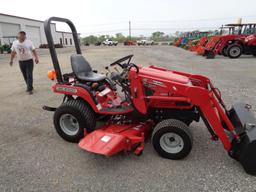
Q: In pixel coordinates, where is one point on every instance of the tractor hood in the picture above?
(163, 74)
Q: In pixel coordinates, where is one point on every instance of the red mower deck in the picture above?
(114, 138)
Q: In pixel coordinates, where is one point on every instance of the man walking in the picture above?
(25, 50)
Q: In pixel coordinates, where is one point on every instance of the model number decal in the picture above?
(105, 138)
(152, 83)
(66, 89)
(158, 83)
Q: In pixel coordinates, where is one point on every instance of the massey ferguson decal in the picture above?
(66, 89)
(152, 83)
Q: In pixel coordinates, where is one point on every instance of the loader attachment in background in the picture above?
(244, 150)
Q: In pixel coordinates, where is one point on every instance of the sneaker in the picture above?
(30, 92)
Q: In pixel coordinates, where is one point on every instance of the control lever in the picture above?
(108, 71)
(116, 70)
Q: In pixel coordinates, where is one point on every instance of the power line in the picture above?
(150, 29)
(193, 20)
(172, 20)
(163, 28)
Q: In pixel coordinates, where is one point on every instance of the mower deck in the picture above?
(114, 138)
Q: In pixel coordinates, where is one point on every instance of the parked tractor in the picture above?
(190, 39)
(241, 40)
(129, 42)
(154, 102)
(201, 42)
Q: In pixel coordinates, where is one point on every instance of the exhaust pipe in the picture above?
(244, 150)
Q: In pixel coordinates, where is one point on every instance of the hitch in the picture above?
(47, 108)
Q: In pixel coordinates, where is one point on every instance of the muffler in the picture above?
(244, 150)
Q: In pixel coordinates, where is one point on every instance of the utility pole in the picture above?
(130, 36)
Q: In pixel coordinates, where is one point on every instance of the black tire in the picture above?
(187, 121)
(234, 51)
(80, 113)
(176, 128)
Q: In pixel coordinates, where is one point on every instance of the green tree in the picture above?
(90, 39)
(157, 36)
(120, 37)
(101, 38)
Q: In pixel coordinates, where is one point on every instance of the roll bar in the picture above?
(48, 33)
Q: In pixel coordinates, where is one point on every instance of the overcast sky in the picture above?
(146, 16)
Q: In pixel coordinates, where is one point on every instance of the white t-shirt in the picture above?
(23, 50)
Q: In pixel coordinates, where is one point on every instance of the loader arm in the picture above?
(211, 109)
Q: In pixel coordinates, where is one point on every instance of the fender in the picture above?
(77, 91)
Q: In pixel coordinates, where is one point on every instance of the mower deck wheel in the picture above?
(71, 118)
(234, 51)
(172, 139)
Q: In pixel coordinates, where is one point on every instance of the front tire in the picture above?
(71, 118)
(172, 139)
(234, 51)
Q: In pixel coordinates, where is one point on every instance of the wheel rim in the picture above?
(171, 143)
(69, 124)
(234, 51)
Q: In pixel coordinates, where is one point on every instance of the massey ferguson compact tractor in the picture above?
(240, 40)
(132, 103)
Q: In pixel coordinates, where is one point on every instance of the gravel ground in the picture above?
(34, 158)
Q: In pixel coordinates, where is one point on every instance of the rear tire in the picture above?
(71, 118)
(234, 51)
(172, 139)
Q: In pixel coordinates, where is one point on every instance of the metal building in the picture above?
(10, 25)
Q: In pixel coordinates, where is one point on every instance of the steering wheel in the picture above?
(119, 61)
(127, 65)
(119, 77)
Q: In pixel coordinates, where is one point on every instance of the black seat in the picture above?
(83, 70)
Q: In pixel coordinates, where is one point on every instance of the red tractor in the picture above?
(134, 103)
(213, 40)
(202, 42)
(235, 43)
(130, 42)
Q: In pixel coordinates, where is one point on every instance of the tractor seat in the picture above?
(83, 70)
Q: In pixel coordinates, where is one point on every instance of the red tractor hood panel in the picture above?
(163, 74)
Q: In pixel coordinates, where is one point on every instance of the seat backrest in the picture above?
(79, 64)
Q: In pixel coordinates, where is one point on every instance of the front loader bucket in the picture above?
(245, 124)
(209, 54)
